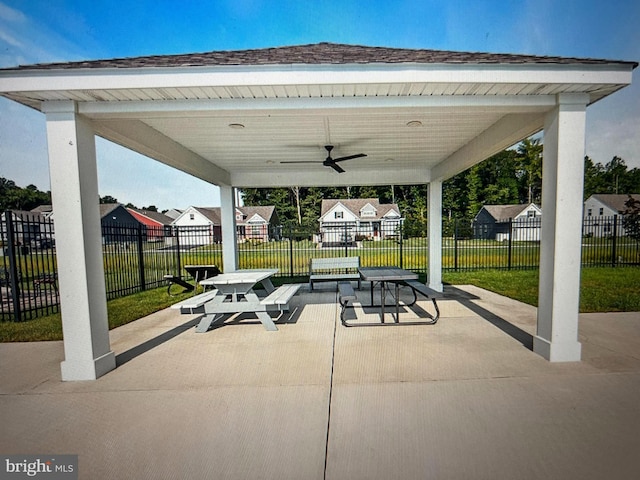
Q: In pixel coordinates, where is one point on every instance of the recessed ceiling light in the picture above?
(388, 159)
(270, 162)
(237, 126)
(414, 123)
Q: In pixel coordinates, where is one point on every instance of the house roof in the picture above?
(213, 214)
(27, 215)
(265, 212)
(210, 213)
(319, 53)
(614, 201)
(504, 212)
(107, 208)
(155, 216)
(354, 205)
(43, 209)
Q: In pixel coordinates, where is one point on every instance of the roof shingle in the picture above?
(318, 53)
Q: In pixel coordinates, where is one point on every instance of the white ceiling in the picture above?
(188, 118)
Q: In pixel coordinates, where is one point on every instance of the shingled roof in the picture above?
(355, 205)
(616, 202)
(318, 53)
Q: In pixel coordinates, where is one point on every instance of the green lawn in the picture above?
(602, 290)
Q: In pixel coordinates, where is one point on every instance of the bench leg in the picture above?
(267, 322)
(344, 305)
(206, 321)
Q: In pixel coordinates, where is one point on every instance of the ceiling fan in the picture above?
(331, 162)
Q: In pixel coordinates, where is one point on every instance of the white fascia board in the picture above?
(252, 75)
(143, 139)
(328, 178)
(193, 108)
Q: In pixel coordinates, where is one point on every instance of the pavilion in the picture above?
(234, 118)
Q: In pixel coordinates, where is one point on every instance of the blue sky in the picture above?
(34, 31)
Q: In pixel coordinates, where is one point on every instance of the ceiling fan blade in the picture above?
(299, 161)
(350, 157)
(337, 168)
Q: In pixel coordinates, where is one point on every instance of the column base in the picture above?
(438, 287)
(557, 351)
(87, 370)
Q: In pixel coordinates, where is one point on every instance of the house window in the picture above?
(192, 216)
(589, 212)
(338, 215)
(531, 214)
(601, 211)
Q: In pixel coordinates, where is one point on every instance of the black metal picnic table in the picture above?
(197, 272)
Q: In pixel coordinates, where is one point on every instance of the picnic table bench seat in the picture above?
(334, 269)
(195, 303)
(281, 296)
(427, 292)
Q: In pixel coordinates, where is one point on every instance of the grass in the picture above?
(120, 310)
(602, 290)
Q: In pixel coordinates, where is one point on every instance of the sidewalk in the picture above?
(465, 398)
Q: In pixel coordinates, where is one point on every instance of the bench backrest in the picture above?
(334, 263)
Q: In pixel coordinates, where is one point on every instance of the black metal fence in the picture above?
(138, 258)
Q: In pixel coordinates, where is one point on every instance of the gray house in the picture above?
(600, 210)
(501, 222)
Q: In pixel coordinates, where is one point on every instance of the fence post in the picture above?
(510, 243)
(614, 242)
(290, 251)
(13, 281)
(176, 231)
(143, 282)
(455, 244)
(401, 245)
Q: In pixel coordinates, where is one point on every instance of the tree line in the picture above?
(513, 176)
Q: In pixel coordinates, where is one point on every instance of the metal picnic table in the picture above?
(235, 294)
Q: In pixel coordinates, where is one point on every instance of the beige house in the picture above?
(350, 220)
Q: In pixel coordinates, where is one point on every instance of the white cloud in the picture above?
(11, 14)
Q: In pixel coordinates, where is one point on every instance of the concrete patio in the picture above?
(465, 398)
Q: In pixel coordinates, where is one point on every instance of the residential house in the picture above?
(45, 210)
(348, 220)
(202, 226)
(173, 213)
(157, 225)
(257, 224)
(600, 210)
(501, 222)
(30, 230)
(118, 224)
(198, 226)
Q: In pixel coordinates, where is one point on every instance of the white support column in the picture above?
(229, 234)
(74, 190)
(561, 235)
(435, 235)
